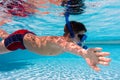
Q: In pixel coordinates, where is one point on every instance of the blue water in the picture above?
(101, 18)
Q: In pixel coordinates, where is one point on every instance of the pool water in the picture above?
(101, 17)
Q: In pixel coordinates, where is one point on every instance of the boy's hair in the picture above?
(76, 27)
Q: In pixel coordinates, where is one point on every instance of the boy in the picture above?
(53, 45)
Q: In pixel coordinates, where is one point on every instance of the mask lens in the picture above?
(80, 36)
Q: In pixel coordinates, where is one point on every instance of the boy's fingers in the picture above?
(96, 68)
(97, 49)
(103, 63)
(104, 59)
(102, 53)
(93, 66)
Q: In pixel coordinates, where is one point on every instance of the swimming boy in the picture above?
(53, 45)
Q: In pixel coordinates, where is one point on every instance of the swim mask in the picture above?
(82, 38)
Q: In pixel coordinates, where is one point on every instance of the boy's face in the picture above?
(78, 36)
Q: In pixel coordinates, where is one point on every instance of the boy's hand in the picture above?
(94, 56)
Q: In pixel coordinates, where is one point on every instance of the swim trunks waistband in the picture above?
(15, 40)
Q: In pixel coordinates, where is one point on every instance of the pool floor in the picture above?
(56, 69)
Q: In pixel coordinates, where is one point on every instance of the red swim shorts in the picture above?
(15, 40)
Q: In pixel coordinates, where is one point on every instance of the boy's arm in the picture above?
(93, 56)
(69, 46)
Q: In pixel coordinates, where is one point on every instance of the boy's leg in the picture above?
(3, 49)
(3, 34)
